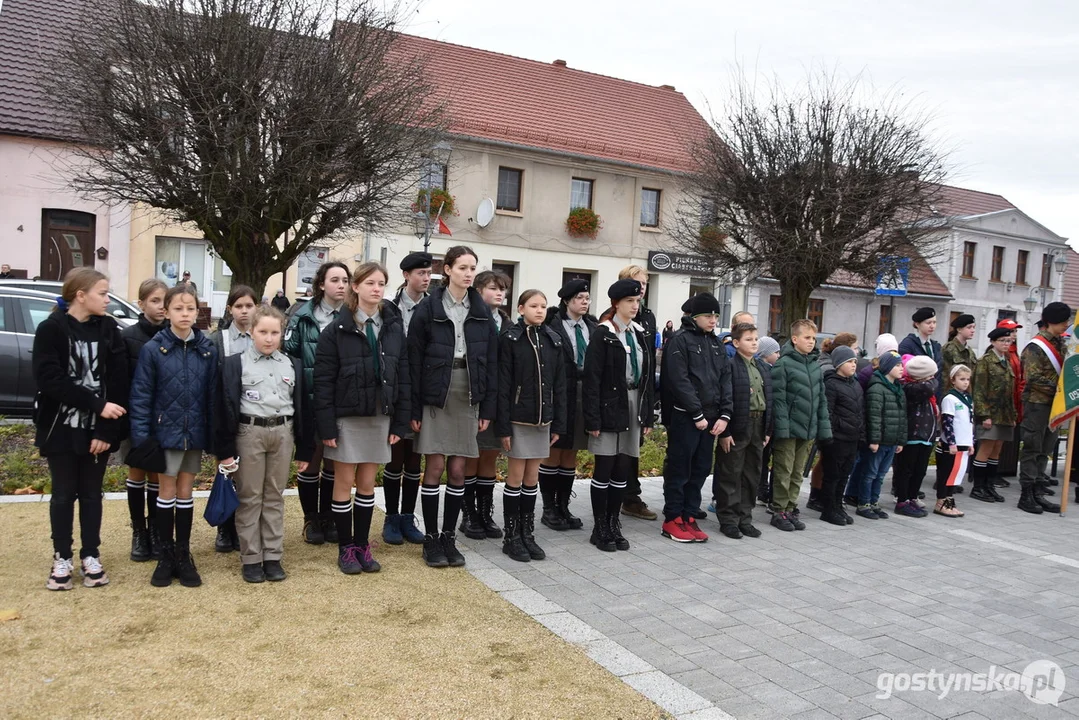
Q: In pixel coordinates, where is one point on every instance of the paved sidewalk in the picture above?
(800, 625)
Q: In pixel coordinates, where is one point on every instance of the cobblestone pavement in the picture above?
(803, 624)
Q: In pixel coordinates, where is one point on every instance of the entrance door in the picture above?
(67, 241)
(195, 260)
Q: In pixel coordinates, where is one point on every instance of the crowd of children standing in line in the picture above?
(437, 382)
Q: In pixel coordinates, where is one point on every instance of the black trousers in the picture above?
(838, 459)
(76, 477)
(689, 458)
(945, 463)
(909, 470)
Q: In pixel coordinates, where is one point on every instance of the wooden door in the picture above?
(67, 241)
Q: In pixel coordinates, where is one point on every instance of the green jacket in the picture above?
(994, 390)
(799, 405)
(301, 339)
(956, 354)
(885, 412)
(1038, 371)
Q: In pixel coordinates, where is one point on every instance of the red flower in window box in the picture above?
(439, 198)
(712, 238)
(583, 222)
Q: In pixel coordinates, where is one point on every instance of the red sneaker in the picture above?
(678, 531)
(698, 534)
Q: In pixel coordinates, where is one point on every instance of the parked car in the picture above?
(21, 311)
(125, 312)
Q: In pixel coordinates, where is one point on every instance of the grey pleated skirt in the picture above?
(361, 440)
(450, 430)
(627, 442)
(530, 442)
(997, 432)
(486, 440)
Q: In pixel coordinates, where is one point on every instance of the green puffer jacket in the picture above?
(885, 412)
(994, 390)
(799, 405)
(301, 339)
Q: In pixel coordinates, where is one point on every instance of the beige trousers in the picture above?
(265, 458)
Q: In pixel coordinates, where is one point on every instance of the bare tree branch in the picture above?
(259, 121)
(807, 184)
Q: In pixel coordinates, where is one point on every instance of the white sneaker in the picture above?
(919, 503)
(60, 577)
(93, 575)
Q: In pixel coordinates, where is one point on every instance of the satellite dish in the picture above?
(485, 213)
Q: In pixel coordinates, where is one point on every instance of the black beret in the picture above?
(701, 304)
(922, 314)
(998, 333)
(416, 260)
(624, 289)
(573, 288)
(962, 321)
(1056, 312)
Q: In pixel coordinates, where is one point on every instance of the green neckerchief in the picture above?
(962, 397)
(894, 387)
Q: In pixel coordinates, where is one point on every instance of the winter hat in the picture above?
(703, 303)
(842, 354)
(920, 367)
(767, 347)
(887, 361)
(1056, 312)
(886, 343)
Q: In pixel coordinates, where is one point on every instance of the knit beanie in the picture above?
(920, 367)
(887, 361)
(886, 343)
(767, 347)
(842, 354)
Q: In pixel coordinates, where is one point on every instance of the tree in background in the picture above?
(270, 125)
(801, 186)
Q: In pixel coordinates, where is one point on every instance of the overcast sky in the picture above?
(1001, 78)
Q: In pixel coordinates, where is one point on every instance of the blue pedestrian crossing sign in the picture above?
(893, 276)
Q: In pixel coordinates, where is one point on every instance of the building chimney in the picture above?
(666, 87)
(559, 63)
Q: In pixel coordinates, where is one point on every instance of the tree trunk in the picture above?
(795, 302)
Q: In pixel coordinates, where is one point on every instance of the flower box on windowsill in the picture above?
(583, 222)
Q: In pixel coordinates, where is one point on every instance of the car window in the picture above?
(34, 311)
(117, 309)
(3, 317)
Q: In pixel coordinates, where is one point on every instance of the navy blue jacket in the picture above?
(173, 390)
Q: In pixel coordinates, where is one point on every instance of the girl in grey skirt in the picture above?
(453, 360)
(531, 416)
(362, 400)
(995, 413)
(477, 516)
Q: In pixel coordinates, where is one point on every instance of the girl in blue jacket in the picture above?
(171, 405)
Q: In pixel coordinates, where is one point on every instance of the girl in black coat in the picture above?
(453, 360)
(556, 475)
(141, 485)
(617, 389)
(477, 517)
(362, 397)
(531, 416)
(80, 366)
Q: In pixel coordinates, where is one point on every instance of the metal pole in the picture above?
(891, 314)
(427, 214)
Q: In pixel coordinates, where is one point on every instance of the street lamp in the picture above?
(1031, 302)
(438, 156)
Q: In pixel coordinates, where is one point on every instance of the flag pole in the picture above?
(1067, 467)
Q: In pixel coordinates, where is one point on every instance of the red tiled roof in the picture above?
(961, 202)
(554, 107)
(31, 32)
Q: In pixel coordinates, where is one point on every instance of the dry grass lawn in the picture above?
(409, 642)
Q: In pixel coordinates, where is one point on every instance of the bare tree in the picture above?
(268, 124)
(805, 186)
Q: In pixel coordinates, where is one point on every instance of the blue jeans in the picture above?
(877, 464)
(857, 475)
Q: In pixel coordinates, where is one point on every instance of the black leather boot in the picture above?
(978, 480)
(1046, 504)
(1027, 502)
(527, 524)
(614, 527)
(601, 536)
(166, 565)
(471, 525)
(485, 512)
(512, 543)
(562, 498)
(552, 512)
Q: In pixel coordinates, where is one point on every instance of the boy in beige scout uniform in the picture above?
(261, 417)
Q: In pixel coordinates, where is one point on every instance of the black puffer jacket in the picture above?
(738, 428)
(430, 354)
(555, 316)
(227, 413)
(846, 407)
(530, 368)
(696, 375)
(137, 335)
(606, 401)
(346, 383)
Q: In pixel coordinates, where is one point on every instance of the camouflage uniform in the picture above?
(1041, 385)
(956, 354)
(993, 384)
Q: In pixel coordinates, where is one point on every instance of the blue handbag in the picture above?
(223, 500)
